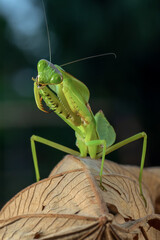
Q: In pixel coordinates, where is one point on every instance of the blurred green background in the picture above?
(125, 88)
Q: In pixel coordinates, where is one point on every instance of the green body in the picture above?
(69, 99)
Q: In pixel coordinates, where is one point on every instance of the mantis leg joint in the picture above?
(144, 134)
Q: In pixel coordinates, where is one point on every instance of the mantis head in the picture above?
(48, 74)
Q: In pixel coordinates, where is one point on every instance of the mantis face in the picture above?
(48, 74)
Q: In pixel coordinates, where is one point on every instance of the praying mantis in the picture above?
(69, 99)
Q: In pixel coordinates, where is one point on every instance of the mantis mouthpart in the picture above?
(69, 99)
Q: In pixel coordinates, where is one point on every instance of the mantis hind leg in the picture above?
(60, 147)
(125, 142)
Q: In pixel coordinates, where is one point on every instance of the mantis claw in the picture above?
(102, 187)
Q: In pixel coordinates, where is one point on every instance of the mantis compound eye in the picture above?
(56, 79)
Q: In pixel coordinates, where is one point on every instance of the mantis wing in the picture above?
(104, 129)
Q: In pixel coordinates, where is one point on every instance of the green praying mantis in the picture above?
(69, 99)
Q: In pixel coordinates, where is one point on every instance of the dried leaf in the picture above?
(151, 179)
(51, 226)
(69, 204)
(70, 192)
(141, 229)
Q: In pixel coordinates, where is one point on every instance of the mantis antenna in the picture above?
(48, 36)
(75, 61)
(86, 58)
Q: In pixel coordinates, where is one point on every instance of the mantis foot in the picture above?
(142, 196)
(102, 187)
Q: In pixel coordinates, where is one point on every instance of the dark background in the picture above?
(126, 88)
